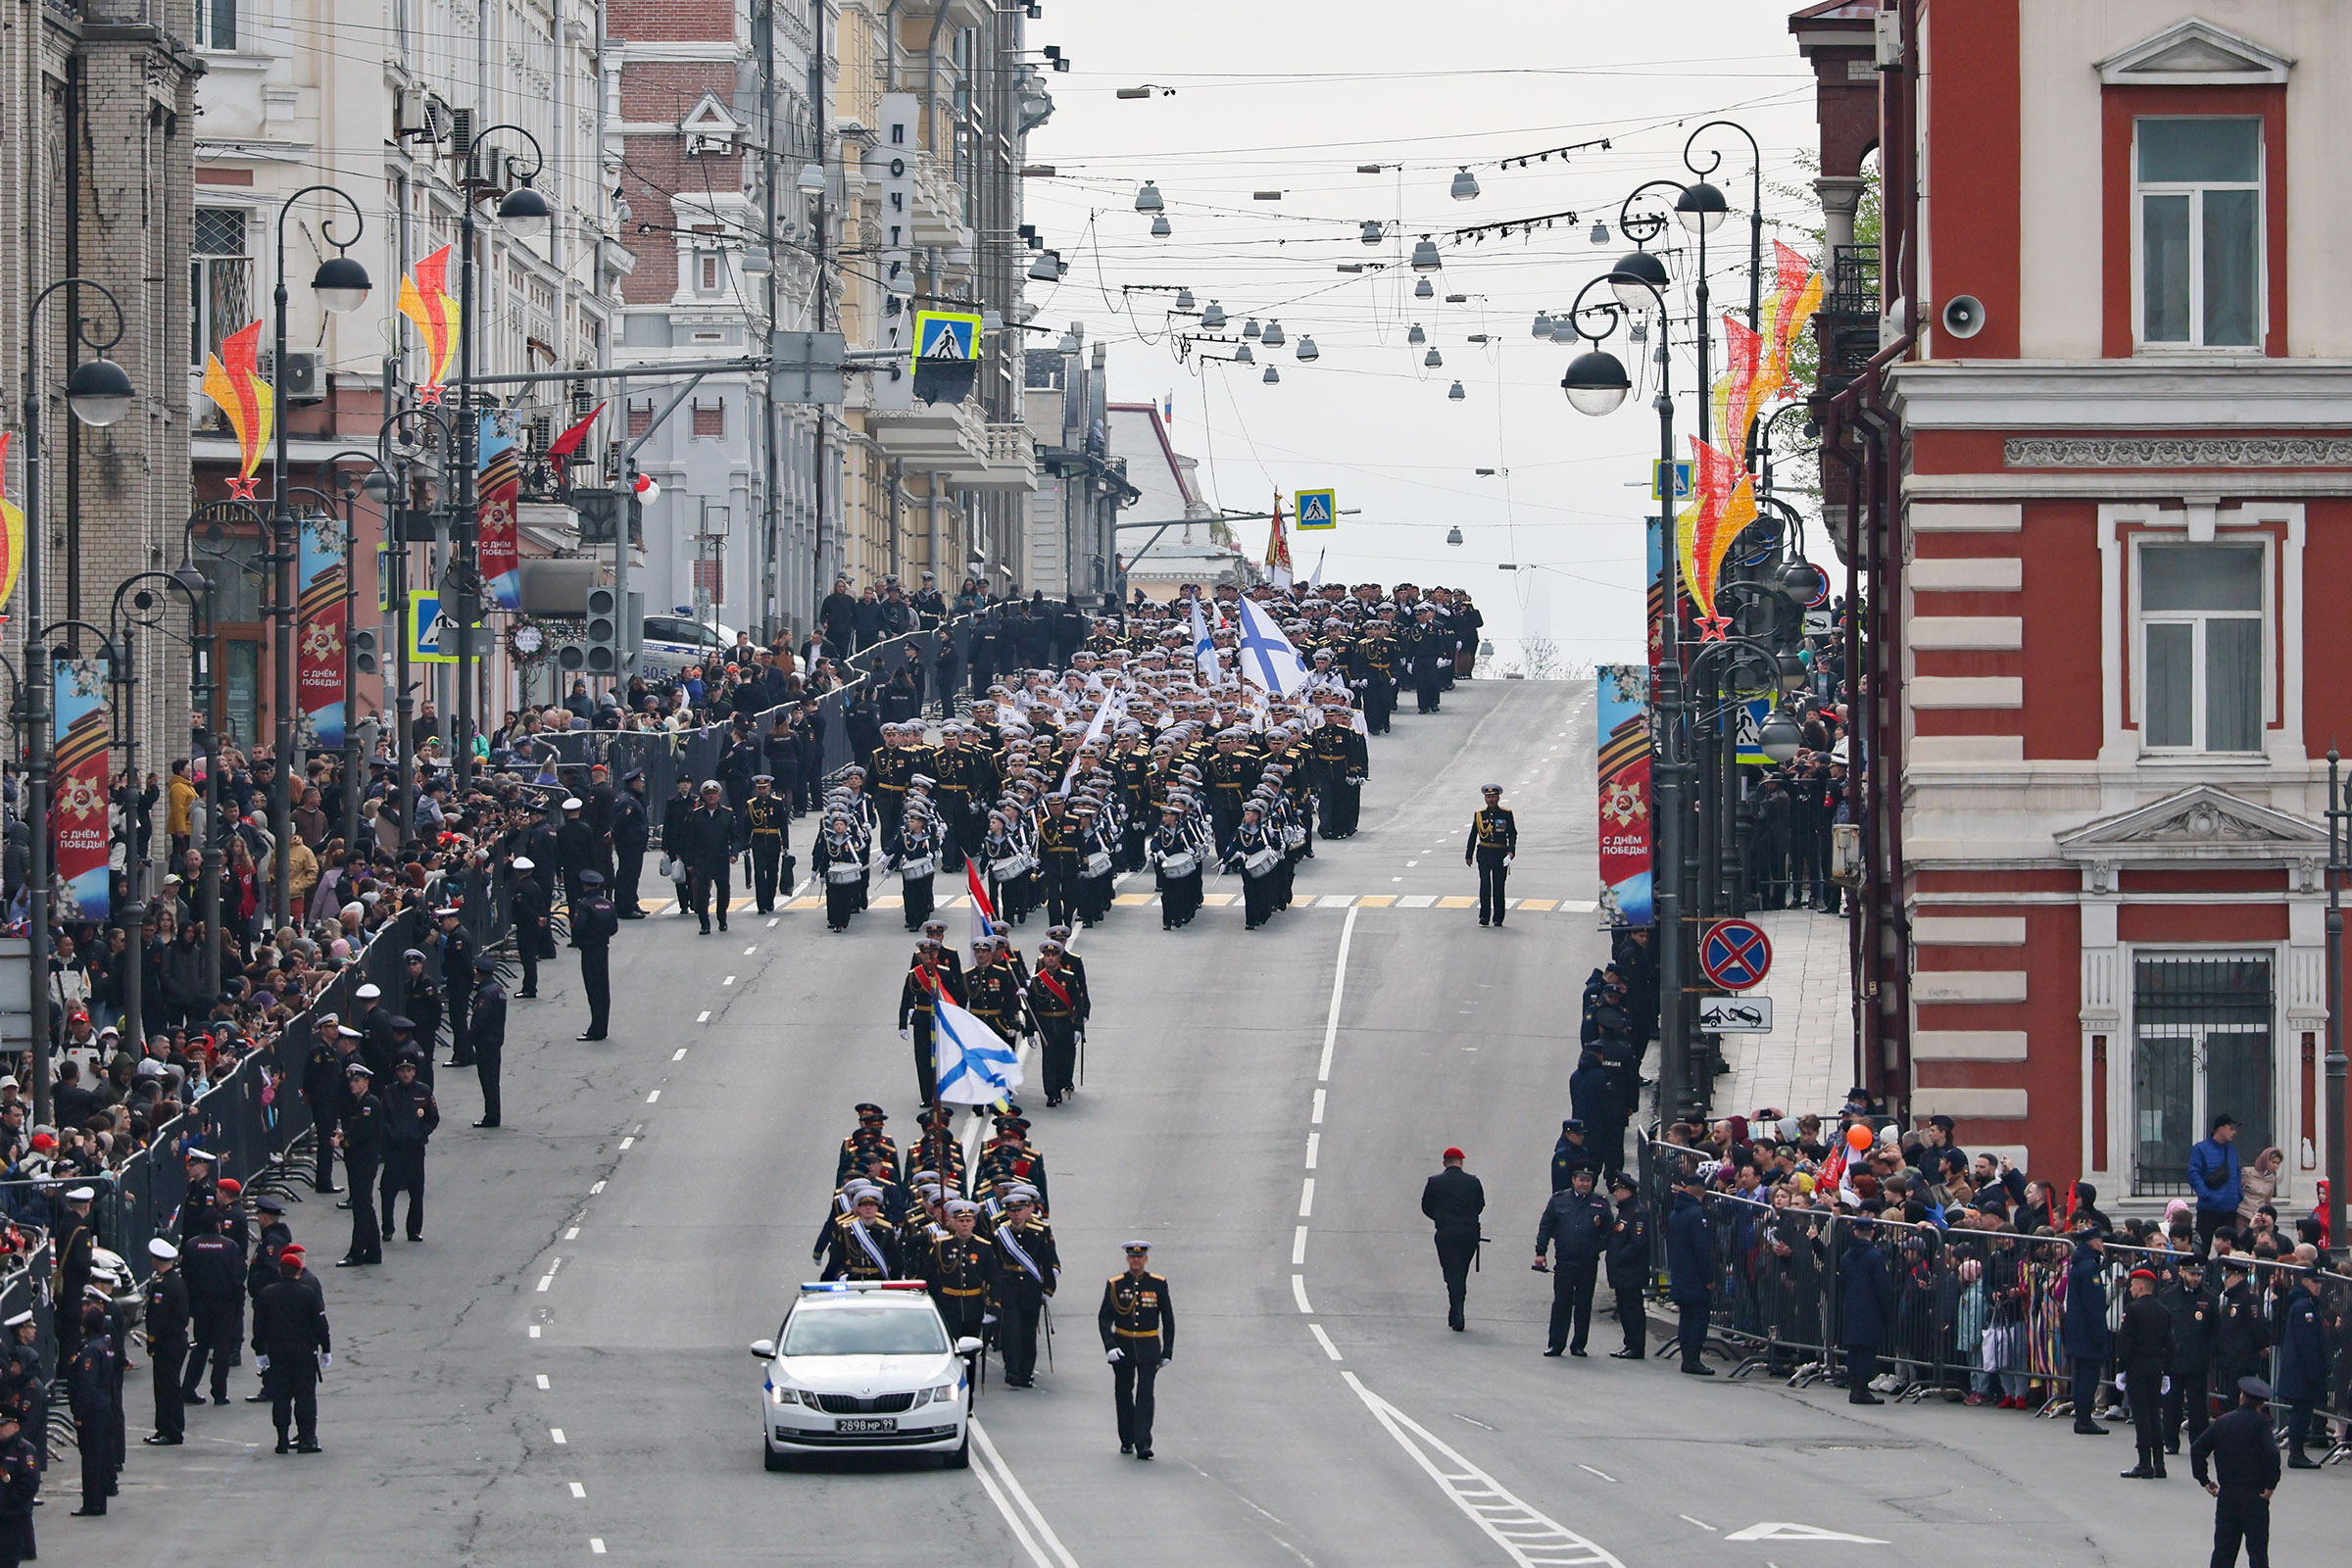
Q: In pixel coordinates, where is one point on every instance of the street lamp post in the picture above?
(390, 485)
(382, 486)
(2339, 853)
(523, 205)
(99, 393)
(1597, 384)
(207, 686)
(139, 602)
(341, 285)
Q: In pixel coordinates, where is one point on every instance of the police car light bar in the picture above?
(811, 1286)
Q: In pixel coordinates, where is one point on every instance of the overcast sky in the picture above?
(1293, 97)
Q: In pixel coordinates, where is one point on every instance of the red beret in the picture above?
(1453, 1153)
(229, 1184)
(2148, 1274)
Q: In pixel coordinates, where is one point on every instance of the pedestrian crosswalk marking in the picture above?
(1456, 902)
(1302, 901)
(1418, 900)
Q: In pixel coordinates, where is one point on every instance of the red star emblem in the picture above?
(240, 487)
(1711, 628)
(428, 396)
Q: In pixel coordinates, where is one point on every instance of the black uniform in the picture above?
(630, 833)
(1578, 1226)
(489, 1033)
(20, 1484)
(410, 1117)
(212, 1276)
(322, 1092)
(1028, 1267)
(1060, 1002)
(167, 1322)
(2196, 1332)
(289, 1327)
(594, 925)
(1494, 839)
(709, 853)
(457, 987)
(2242, 1450)
(1453, 1200)
(92, 1379)
(363, 1156)
(1629, 1274)
(767, 816)
(1137, 1320)
(534, 936)
(676, 814)
(2143, 1354)
(863, 1250)
(962, 1275)
(916, 995)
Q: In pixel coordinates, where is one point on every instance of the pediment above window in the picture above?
(2195, 54)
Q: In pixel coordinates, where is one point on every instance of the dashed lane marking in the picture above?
(1306, 1200)
(679, 1055)
(653, 1096)
(1605, 1476)
(555, 1434)
(543, 1380)
(1299, 1248)
(1314, 1145)
(703, 1016)
(1324, 1340)
(1298, 1294)
(1317, 1117)
(578, 1491)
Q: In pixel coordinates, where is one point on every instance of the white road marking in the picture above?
(572, 1234)
(1331, 1020)
(545, 1280)
(1029, 1526)
(597, 1188)
(626, 1142)
(1298, 1294)
(1313, 1143)
(772, 925)
(1588, 1470)
(534, 1331)
(1531, 1539)
(596, 1544)
(1299, 1248)
(753, 948)
(728, 981)
(578, 1491)
(1306, 1200)
(652, 1098)
(1701, 1522)
(703, 1016)
(1481, 1424)
(1317, 1118)
(543, 1380)
(679, 1055)
(555, 1434)
(1324, 1340)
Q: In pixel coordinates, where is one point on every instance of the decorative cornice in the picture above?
(2177, 452)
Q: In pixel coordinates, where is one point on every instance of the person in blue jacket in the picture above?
(2213, 1175)
(1690, 1268)
(2302, 1367)
(2083, 1334)
(1866, 1298)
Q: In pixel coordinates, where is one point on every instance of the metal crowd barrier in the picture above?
(1975, 1311)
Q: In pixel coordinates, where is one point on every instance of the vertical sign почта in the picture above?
(1623, 781)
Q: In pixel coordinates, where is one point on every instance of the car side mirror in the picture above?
(968, 1346)
(765, 1349)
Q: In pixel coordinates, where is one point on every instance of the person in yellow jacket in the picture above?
(179, 819)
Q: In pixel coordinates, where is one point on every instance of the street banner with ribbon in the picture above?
(500, 491)
(324, 617)
(425, 300)
(12, 532)
(1624, 777)
(78, 808)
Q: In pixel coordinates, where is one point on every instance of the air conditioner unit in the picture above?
(305, 381)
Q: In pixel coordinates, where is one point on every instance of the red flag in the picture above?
(570, 441)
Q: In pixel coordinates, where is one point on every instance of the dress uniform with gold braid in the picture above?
(767, 814)
(1028, 1268)
(864, 1246)
(1494, 840)
(1137, 1320)
(963, 1274)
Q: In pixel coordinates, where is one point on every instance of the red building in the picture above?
(2101, 505)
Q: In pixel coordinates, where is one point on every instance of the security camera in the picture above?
(1964, 315)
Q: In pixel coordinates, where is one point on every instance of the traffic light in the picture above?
(602, 653)
(365, 660)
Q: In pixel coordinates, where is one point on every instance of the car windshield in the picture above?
(864, 1331)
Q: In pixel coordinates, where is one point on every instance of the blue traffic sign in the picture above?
(1735, 954)
(1318, 509)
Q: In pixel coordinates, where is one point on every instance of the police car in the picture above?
(863, 1366)
(671, 645)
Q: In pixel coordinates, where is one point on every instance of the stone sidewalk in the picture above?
(1807, 1062)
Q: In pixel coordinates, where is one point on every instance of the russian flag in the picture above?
(984, 913)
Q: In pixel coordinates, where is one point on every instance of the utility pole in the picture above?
(771, 526)
(816, 108)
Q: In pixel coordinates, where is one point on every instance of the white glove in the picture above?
(2165, 1386)
(1115, 1356)
(906, 1034)
(1507, 860)
(326, 1359)
(986, 1318)
(2119, 1383)
(262, 1362)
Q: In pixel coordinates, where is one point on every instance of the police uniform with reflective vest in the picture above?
(1028, 1268)
(1494, 840)
(1137, 1320)
(767, 816)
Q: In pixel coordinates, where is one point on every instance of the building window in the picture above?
(2197, 190)
(2201, 1046)
(216, 26)
(711, 423)
(706, 272)
(219, 280)
(2201, 647)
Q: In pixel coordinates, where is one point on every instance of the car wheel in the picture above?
(962, 1458)
(773, 1460)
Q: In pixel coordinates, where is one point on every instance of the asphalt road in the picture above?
(559, 1372)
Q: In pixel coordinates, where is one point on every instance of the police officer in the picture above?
(212, 1272)
(1453, 1200)
(1028, 1268)
(1494, 841)
(2143, 1354)
(2246, 1459)
(292, 1345)
(167, 1324)
(420, 999)
(1867, 1306)
(361, 1137)
(489, 1031)
(1629, 1266)
(767, 814)
(91, 1379)
(594, 925)
(456, 988)
(630, 832)
(1690, 1268)
(24, 1384)
(677, 814)
(1137, 1320)
(2196, 1320)
(322, 1092)
(533, 911)
(20, 1486)
(1577, 1224)
(74, 1261)
(410, 1117)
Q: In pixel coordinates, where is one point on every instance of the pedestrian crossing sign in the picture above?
(428, 630)
(950, 336)
(1658, 479)
(1318, 509)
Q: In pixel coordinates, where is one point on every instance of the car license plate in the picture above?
(866, 1424)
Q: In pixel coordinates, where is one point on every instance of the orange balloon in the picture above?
(1857, 1138)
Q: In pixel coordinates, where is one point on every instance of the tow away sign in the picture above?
(1734, 1015)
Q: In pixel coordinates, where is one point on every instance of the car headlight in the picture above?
(939, 1395)
(782, 1395)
